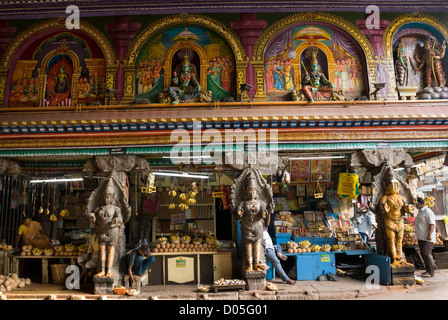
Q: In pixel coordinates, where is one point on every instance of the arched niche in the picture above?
(412, 29)
(166, 52)
(322, 20)
(30, 41)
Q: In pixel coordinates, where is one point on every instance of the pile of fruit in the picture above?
(430, 201)
(37, 251)
(26, 250)
(185, 247)
(210, 239)
(6, 247)
(175, 239)
(229, 282)
(439, 240)
(315, 248)
(338, 247)
(304, 244)
(294, 247)
(185, 198)
(11, 282)
(409, 238)
(68, 249)
(325, 248)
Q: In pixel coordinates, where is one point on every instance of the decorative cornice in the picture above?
(55, 8)
(287, 136)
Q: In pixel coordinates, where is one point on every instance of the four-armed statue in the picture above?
(315, 85)
(108, 209)
(392, 206)
(431, 60)
(392, 198)
(252, 202)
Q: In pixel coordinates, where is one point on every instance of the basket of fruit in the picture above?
(120, 290)
(186, 239)
(304, 244)
(162, 240)
(37, 252)
(48, 252)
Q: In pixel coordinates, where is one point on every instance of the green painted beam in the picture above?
(282, 147)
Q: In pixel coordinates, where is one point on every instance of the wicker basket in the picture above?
(58, 273)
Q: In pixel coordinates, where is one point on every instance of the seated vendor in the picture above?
(31, 233)
(137, 264)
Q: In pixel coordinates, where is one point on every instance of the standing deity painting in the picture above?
(167, 56)
(288, 59)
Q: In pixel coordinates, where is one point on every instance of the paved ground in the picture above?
(346, 288)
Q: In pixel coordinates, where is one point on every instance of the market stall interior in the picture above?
(183, 211)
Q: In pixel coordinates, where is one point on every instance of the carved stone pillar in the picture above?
(122, 32)
(249, 30)
(375, 37)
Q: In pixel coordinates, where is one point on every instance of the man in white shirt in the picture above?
(425, 232)
(368, 225)
(273, 254)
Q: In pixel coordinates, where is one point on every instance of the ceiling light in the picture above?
(181, 174)
(186, 157)
(316, 158)
(57, 180)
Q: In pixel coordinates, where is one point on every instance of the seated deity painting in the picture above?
(184, 55)
(315, 56)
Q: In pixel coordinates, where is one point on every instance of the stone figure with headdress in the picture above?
(185, 86)
(315, 85)
(108, 209)
(252, 202)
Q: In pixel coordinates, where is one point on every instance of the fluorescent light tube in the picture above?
(183, 174)
(57, 180)
(186, 157)
(317, 158)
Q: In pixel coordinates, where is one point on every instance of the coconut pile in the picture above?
(12, 281)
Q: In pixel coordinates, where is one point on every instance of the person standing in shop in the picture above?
(425, 232)
(273, 253)
(368, 225)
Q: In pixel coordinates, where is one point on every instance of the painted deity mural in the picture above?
(288, 59)
(160, 60)
(420, 63)
(64, 70)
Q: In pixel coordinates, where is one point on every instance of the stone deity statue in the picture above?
(392, 204)
(315, 85)
(62, 81)
(107, 208)
(185, 86)
(431, 59)
(401, 64)
(252, 202)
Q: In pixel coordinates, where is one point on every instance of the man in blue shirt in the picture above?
(137, 265)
